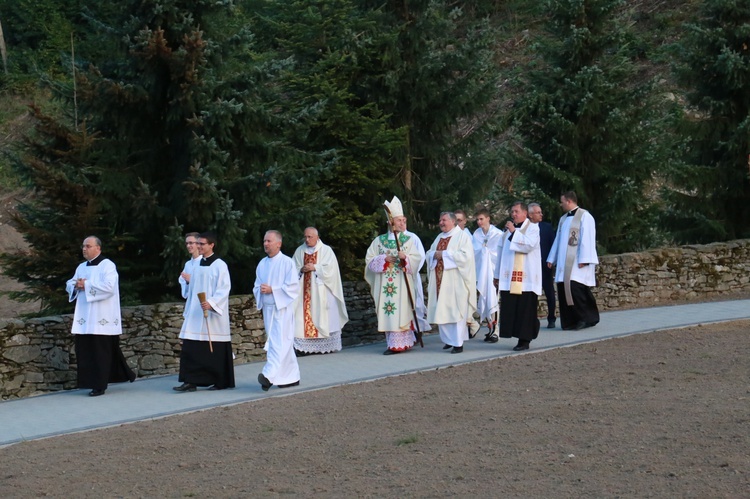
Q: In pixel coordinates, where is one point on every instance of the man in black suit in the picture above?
(546, 239)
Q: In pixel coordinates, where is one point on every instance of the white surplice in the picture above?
(585, 252)
(189, 268)
(212, 279)
(528, 244)
(485, 256)
(278, 316)
(98, 304)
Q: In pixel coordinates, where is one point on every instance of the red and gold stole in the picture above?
(439, 267)
(310, 330)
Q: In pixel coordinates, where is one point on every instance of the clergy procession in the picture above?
(492, 277)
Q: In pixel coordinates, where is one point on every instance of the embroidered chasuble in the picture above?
(387, 281)
(440, 266)
(310, 330)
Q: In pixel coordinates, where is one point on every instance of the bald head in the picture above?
(311, 237)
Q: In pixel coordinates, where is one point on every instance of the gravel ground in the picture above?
(663, 414)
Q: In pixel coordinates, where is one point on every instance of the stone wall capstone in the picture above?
(37, 355)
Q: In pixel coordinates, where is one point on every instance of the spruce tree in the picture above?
(709, 194)
(186, 137)
(328, 45)
(584, 123)
(436, 80)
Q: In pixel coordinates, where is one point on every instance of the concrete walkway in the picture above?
(73, 411)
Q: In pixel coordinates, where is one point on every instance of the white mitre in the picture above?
(395, 207)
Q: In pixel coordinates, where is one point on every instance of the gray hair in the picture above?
(451, 214)
(96, 240)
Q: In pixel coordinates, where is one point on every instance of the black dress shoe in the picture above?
(185, 387)
(265, 384)
(446, 346)
(492, 338)
(390, 352)
(580, 325)
(214, 388)
(296, 383)
(551, 324)
(457, 349)
(96, 393)
(300, 353)
(522, 345)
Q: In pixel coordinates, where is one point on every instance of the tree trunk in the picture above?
(3, 53)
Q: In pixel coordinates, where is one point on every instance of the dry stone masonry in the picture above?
(36, 355)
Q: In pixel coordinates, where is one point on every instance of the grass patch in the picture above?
(411, 439)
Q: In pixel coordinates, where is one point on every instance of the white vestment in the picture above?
(189, 268)
(419, 291)
(212, 279)
(278, 306)
(320, 331)
(456, 300)
(98, 304)
(485, 257)
(585, 253)
(525, 240)
(388, 281)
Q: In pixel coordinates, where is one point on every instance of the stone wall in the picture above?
(37, 354)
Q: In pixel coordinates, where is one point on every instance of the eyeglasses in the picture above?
(201, 244)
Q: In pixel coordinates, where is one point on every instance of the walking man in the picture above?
(452, 288)
(97, 325)
(276, 289)
(321, 311)
(574, 255)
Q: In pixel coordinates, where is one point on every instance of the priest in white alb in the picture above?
(392, 271)
(276, 290)
(97, 325)
(519, 272)
(452, 291)
(321, 311)
(206, 358)
(486, 241)
(574, 255)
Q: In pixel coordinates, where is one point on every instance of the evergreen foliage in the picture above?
(59, 166)
(185, 139)
(329, 45)
(584, 126)
(37, 31)
(436, 80)
(708, 194)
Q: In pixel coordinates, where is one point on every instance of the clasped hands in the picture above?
(396, 259)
